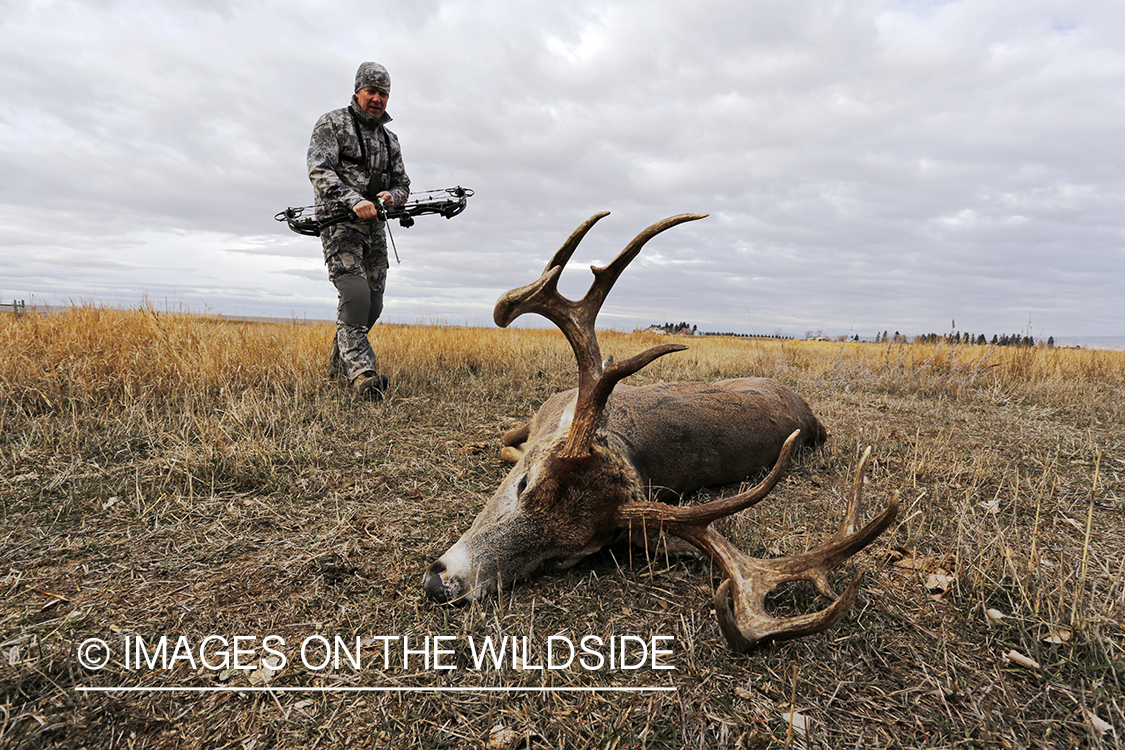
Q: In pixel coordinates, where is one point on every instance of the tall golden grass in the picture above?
(93, 355)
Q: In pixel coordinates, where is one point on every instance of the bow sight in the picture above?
(312, 220)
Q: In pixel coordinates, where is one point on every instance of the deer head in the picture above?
(559, 501)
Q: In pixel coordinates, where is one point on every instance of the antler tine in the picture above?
(855, 499)
(542, 295)
(740, 599)
(576, 320)
(606, 277)
(562, 257)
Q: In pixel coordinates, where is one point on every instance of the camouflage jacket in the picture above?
(335, 163)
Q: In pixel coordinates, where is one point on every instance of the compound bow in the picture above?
(312, 220)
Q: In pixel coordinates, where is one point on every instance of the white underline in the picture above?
(345, 689)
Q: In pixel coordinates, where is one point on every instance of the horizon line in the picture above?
(1114, 341)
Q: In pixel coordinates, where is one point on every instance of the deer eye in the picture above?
(521, 486)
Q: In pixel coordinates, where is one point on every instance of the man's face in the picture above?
(373, 101)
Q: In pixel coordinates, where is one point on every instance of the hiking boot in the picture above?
(335, 363)
(370, 385)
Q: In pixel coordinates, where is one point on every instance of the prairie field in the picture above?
(202, 480)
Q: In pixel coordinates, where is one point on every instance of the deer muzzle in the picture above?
(454, 580)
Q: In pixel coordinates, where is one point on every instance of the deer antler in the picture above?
(740, 599)
(576, 320)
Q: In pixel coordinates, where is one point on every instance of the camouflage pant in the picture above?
(356, 256)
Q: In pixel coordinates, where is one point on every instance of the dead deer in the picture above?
(590, 459)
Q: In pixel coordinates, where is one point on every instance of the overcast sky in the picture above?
(867, 166)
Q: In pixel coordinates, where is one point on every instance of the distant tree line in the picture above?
(745, 335)
(683, 328)
(957, 337)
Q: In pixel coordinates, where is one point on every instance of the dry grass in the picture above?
(177, 475)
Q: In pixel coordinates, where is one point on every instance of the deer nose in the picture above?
(434, 585)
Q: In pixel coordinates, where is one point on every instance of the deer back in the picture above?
(681, 437)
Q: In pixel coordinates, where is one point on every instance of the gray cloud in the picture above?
(868, 166)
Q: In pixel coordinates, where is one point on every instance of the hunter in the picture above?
(355, 162)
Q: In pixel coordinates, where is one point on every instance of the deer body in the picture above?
(662, 441)
(589, 461)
